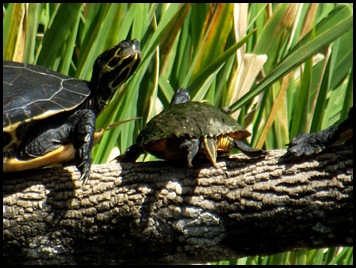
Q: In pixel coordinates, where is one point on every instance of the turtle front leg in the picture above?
(83, 140)
(192, 148)
(61, 138)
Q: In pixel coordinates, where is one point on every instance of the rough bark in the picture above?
(155, 213)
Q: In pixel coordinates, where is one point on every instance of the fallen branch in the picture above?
(156, 213)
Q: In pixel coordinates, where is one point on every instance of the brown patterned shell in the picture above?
(190, 120)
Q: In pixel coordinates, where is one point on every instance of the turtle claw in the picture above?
(84, 168)
(84, 177)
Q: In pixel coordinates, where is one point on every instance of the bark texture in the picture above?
(156, 213)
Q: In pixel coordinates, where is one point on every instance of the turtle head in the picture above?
(112, 69)
(180, 96)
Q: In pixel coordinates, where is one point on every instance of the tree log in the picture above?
(159, 213)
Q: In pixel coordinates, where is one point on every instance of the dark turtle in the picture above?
(188, 129)
(304, 146)
(50, 118)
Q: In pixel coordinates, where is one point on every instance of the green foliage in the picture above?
(335, 255)
(281, 68)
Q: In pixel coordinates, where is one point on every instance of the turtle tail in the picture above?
(247, 150)
(131, 154)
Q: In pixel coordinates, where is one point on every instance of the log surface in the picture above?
(157, 213)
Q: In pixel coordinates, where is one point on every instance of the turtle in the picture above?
(49, 118)
(304, 146)
(189, 129)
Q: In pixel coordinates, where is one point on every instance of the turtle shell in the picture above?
(184, 121)
(32, 93)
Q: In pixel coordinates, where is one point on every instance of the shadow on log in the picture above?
(156, 213)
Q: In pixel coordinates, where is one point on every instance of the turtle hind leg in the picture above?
(209, 146)
(130, 155)
(247, 150)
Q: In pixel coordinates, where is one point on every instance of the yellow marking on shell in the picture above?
(13, 141)
(61, 154)
(13, 126)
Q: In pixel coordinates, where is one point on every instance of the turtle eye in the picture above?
(125, 44)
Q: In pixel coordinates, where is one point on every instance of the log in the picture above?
(163, 213)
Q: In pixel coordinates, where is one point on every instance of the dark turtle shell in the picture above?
(188, 121)
(33, 93)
